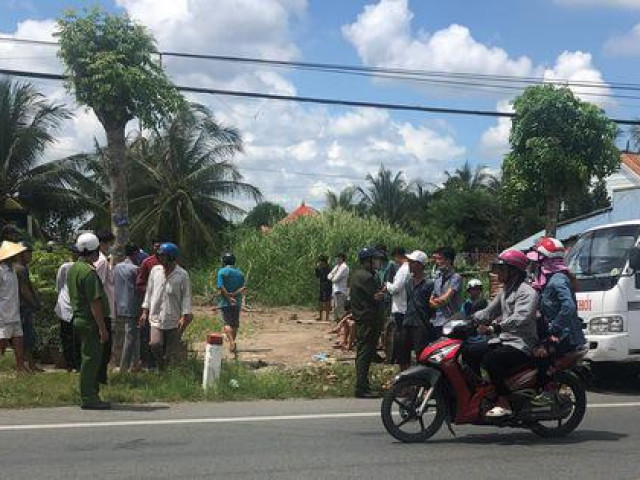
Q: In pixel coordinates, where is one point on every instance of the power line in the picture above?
(316, 100)
(397, 73)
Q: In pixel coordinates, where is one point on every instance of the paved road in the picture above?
(303, 440)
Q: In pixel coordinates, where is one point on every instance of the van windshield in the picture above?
(602, 253)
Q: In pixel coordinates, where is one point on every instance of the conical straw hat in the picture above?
(10, 249)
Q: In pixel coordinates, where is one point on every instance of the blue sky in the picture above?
(583, 40)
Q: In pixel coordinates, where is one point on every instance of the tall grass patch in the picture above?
(280, 264)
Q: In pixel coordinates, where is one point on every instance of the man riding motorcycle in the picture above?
(510, 321)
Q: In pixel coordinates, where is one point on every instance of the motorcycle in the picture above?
(441, 388)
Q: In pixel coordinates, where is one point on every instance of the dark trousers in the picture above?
(555, 351)
(70, 342)
(367, 335)
(501, 360)
(92, 356)
(106, 354)
(147, 358)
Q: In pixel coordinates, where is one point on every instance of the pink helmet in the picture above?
(513, 257)
(550, 247)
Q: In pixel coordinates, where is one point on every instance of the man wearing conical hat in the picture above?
(10, 326)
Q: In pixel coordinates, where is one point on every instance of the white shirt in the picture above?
(398, 289)
(9, 296)
(339, 277)
(167, 298)
(63, 306)
(105, 272)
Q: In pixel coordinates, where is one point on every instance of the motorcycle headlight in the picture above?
(606, 325)
(440, 355)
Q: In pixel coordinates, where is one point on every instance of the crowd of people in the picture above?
(534, 314)
(125, 316)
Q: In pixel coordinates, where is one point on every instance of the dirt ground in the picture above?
(288, 336)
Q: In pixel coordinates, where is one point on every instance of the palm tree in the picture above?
(347, 199)
(388, 196)
(468, 178)
(27, 127)
(182, 180)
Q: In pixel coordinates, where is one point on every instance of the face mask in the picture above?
(377, 263)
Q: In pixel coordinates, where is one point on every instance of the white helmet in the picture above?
(87, 242)
(474, 283)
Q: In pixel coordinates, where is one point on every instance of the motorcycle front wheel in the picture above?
(412, 411)
(572, 396)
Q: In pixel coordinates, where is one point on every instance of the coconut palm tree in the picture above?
(388, 196)
(347, 199)
(182, 180)
(27, 127)
(469, 178)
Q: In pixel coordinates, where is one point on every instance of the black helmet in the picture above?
(228, 259)
(369, 252)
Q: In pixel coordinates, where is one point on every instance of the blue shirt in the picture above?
(558, 307)
(441, 284)
(232, 279)
(124, 279)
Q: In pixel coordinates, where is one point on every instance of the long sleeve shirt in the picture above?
(339, 277)
(516, 306)
(167, 297)
(105, 273)
(398, 289)
(124, 280)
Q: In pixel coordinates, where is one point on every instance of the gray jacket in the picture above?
(515, 309)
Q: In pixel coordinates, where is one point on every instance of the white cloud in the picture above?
(355, 123)
(625, 45)
(577, 67)
(632, 4)
(382, 37)
(494, 142)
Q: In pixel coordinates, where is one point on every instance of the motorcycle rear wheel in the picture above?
(578, 397)
(399, 409)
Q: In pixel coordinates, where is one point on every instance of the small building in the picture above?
(303, 210)
(625, 205)
(623, 188)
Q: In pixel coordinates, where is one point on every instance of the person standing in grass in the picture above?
(90, 306)
(367, 311)
(10, 326)
(29, 303)
(231, 285)
(69, 341)
(146, 357)
(324, 296)
(167, 305)
(105, 272)
(445, 299)
(339, 277)
(126, 332)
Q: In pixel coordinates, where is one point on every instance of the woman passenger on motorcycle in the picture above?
(511, 319)
(557, 295)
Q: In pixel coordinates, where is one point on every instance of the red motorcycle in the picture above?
(443, 389)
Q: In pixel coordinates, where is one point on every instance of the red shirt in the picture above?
(143, 273)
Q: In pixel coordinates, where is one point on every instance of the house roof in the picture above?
(302, 211)
(631, 161)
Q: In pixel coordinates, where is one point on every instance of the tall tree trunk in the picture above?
(117, 169)
(553, 212)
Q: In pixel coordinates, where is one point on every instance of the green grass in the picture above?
(183, 383)
(200, 327)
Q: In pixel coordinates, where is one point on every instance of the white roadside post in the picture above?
(212, 359)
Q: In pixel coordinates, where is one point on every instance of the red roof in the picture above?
(302, 211)
(632, 161)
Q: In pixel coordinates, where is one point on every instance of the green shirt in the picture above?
(364, 306)
(85, 287)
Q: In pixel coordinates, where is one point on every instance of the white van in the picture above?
(606, 263)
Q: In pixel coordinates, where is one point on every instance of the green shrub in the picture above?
(280, 265)
(43, 269)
